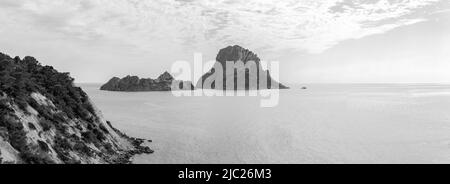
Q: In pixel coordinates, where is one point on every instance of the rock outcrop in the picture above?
(234, 54)
(133, 83)
(45, 119)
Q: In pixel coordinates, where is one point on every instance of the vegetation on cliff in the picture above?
(45, 119)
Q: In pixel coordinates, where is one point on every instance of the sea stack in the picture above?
(234, 54)
(45, 119)
(134, 84)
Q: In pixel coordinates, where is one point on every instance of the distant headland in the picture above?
(250, 71)
(135, 84)
(253, 77)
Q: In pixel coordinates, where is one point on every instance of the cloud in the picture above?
(302, 25)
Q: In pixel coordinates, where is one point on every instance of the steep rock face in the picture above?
(134, 83)
(45, 119)
(165, 77)
(234, 54)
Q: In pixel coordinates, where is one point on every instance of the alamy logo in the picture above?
(229, 78)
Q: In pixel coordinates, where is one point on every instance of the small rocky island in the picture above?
(135, 84)
(46, 119)
(234, 54)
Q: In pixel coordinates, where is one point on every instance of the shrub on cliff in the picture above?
(19, 78)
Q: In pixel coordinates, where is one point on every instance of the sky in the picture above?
(315, 41)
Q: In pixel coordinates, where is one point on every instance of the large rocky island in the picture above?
(45, 119)
(234, 54)
(134, 84)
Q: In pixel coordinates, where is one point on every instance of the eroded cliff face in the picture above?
(257, 79)
(133, 83)
(45, 119)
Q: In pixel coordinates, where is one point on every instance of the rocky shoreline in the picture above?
(137, 144)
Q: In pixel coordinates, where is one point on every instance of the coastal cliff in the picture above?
(234, 54)
(133, 84)
(45, 119)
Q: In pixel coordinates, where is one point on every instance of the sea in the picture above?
(324, 124)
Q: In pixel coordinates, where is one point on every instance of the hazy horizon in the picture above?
(336, 41)
(299, 85)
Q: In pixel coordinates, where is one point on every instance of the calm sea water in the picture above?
(323, 124)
